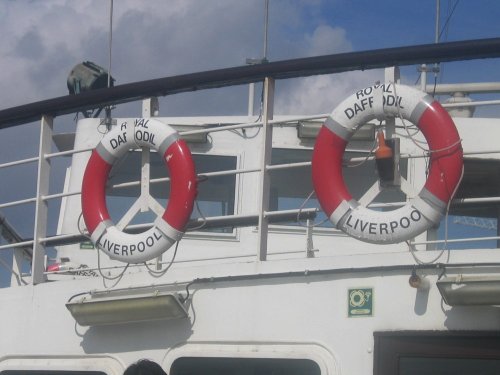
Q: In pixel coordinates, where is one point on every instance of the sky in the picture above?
(42, 40)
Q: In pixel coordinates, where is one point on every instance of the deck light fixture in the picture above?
(418, 282)
(463, 290)
(87, 76)
(94, 309)
(200, 137)
(310, 129)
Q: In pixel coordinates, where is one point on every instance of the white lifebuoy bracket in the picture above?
(167, 229)
(446, 164)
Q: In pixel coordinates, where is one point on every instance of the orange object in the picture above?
(383, 151)
(384, 159)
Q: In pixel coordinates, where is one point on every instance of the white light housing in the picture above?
(470, 290)
(192, 138)
(93, 310)
(310, 129)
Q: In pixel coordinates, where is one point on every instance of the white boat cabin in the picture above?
(261, 282)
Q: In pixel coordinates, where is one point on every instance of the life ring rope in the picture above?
(168, 228)
(427, 150)
(446, 163)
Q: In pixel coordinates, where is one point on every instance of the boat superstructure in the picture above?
(261, 281)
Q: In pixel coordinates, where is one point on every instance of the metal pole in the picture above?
(265, 177)
(423, 77)
(41, 206)
(498, 227)
(110, 41)
(436, 39)
(266, 23)
(251, 86)
(251, 95)
(108, 108)
(438, 7)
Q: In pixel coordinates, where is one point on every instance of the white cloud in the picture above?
(45, 39)
(320, 94)
(151, 39)
(327, 40)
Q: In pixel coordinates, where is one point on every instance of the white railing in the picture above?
(262, 217)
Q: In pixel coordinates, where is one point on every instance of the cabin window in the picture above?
(471, 220)
(216, 195)
(52, 365)
(50, 372)
(437, 353)
(443, 366)
(243, 366)
(291, 187)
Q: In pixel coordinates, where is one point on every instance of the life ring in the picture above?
(167, 229)
(444, 175)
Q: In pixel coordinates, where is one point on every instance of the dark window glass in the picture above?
(290, 187)
(243, 366)
(50, 372)
(481, 180)
(448, 366)
(216, 194)
(437, 353)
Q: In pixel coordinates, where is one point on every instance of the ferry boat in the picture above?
(364, 241)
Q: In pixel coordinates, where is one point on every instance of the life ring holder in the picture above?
(444, 175)
(167, 229)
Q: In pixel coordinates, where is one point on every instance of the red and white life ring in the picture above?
(167, 229)
(446, 163)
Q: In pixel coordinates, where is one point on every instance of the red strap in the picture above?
(327, 170)
(94, 191)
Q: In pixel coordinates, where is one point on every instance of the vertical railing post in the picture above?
(17, 267)
(265, 178)
(498, 226)
(41, 206)
(150, 108)
(392, 75)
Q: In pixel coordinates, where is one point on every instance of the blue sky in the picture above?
(43, 40)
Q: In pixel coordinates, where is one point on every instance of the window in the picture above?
(481, 180)
(63, 365)
(216, 195)
(437, 353)
(243, 366)
(291, 187)
(50, 372)
(448, 366)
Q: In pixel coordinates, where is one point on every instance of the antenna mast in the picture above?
(251, 86)
(266, 24)
(110, 44)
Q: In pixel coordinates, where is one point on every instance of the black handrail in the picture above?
(399, 56)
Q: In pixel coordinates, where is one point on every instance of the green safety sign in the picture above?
(360, 302)
(86, 245)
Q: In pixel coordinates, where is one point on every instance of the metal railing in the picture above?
(225, 77)
(262, 218)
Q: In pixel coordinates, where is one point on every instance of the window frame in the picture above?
(68, 363)
(324, 230)
(316, 353)
(389, 347)
(234, 234)
(434, 234)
